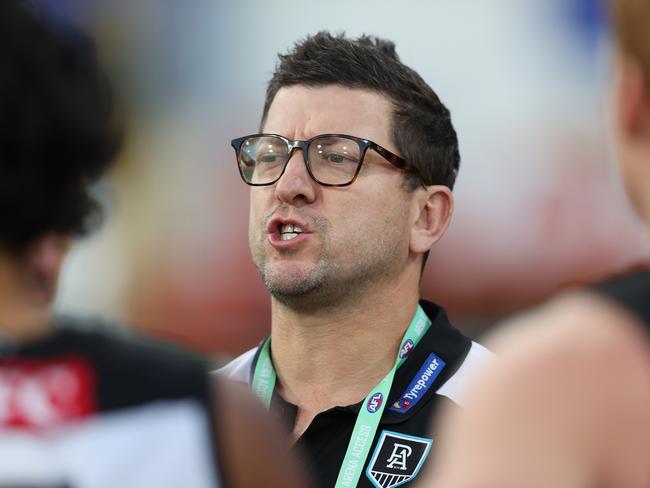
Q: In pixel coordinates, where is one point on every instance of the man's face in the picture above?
(348, 238)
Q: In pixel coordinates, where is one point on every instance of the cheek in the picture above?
(257, 208)
(369, 218)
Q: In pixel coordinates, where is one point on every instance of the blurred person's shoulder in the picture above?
(114, 338)
(575, 330)
(95, 390)
(131, 367)
(613, 314)
(580, 364)
(240, 369)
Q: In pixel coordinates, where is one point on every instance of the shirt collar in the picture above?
(446, 343)
(441, 342)
(442, 339)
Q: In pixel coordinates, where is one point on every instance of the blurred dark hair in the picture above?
(421, 127)
(56, 131)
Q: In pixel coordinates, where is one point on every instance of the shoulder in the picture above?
(132, 368)
(467, 358)
(240, 368)
(576, 342)
(571, 331)
(129, 347)
(580, 362)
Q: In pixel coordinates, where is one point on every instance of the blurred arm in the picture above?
(252, 450)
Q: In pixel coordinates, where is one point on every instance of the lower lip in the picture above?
(278, 243)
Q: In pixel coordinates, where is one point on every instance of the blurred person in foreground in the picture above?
(351, 177)
(568, 402)
(80, 407)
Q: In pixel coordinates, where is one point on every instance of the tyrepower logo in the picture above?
(419, 385)
(374, 403)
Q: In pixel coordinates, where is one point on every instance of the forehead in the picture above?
(301, 112)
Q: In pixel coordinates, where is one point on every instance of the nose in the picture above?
(295, 184)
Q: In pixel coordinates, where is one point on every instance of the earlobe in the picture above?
(432, 218)
(44, 260)
(631, 97)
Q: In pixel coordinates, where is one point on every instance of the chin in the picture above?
(293, 280)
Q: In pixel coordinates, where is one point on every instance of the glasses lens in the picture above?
(262, 158)
(334, 160)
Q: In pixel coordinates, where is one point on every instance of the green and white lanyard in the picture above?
(371, 410)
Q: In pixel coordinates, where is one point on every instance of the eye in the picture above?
(267, 158)
(335, 157)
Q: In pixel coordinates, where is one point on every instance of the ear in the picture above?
(632, 102)
(431, 217)
(43, 260)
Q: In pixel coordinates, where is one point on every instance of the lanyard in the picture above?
(371, 409)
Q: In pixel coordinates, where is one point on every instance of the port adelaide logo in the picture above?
(397, 459)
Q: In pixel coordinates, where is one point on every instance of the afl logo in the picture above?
(406, 349)
(375, 402)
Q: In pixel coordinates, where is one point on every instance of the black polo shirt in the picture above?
(432, 375)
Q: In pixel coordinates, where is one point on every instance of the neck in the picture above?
(21, 319)
(336, 356)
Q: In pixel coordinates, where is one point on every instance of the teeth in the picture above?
(289, 229)
(288, 236)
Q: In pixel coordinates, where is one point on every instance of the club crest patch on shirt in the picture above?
(397, 459)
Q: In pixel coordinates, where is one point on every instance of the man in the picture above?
(80, 407)
(351, 182)
(568, 402)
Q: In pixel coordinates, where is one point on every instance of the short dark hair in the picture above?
(421, 127)
(57, 135)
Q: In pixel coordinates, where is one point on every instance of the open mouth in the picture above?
(289, 231)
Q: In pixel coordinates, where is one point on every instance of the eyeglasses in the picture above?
(331, 159)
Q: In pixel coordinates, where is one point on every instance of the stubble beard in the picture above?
(302, 290)
(328, 283)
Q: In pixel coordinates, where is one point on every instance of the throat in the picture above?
(337, 357)
(322, 372)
